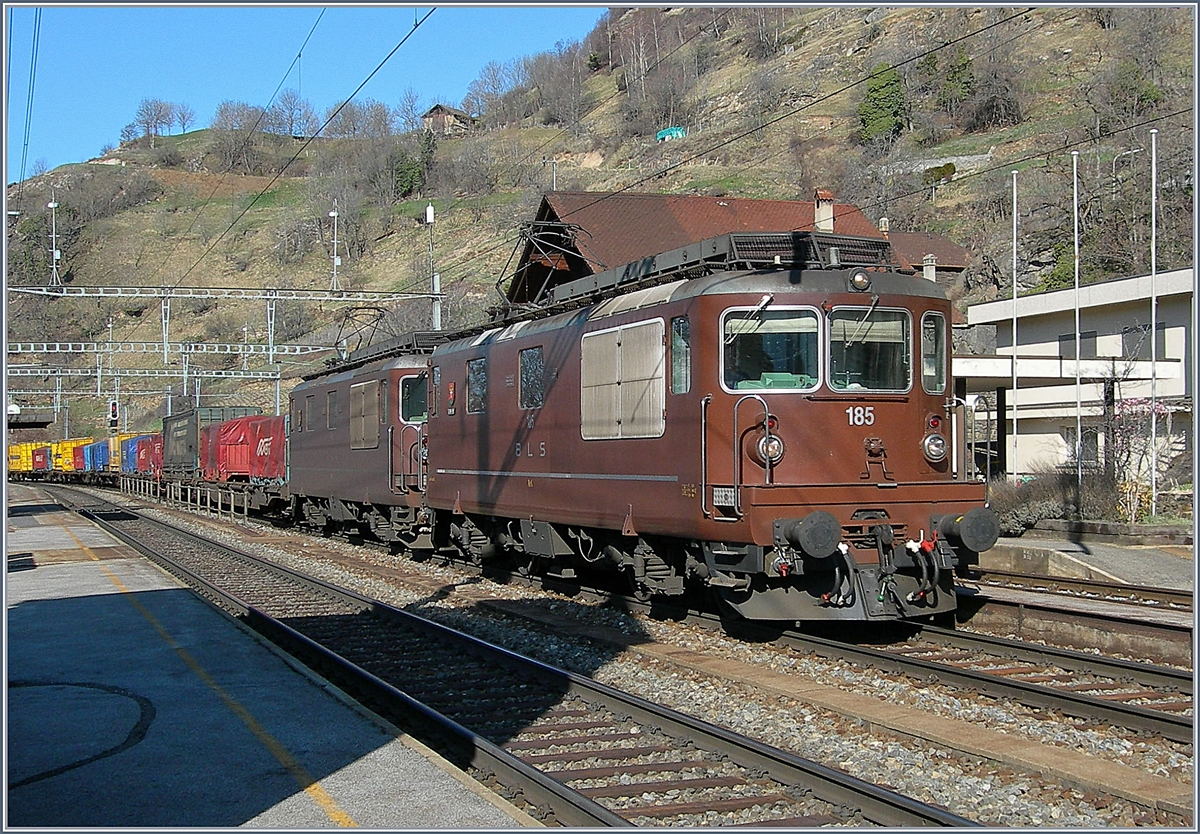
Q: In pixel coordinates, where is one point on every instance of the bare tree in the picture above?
(344, 119)
(292, 115)
(153, 116)
(184, 117)
(408, 111)
(237, 134)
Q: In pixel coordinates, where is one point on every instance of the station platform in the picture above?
(132, 703)
(1157, 566)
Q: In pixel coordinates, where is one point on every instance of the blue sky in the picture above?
(96, 63)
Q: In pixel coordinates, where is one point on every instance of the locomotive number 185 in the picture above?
(860, 415)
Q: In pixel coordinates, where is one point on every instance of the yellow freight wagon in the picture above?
(20, 460)
(62, 453)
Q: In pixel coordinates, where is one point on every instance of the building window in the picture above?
(532, 392)
(1090, 448)
(1087, 345)
(1135, 342)
(477, 381)
(681, 355)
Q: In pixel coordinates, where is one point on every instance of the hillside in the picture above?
(919, 115)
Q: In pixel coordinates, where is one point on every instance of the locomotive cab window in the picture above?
(681, 355)
(870, 349)
(331, 410)
(413, 399)
(532, 393)
(774, 349)
(477, 380)
(933, 353)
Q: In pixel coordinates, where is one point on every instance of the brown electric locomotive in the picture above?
(770, 416)
(778, 427)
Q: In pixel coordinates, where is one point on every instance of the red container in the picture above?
(79, 459)
(268, 449)
(149, 455)
(41, 459)
(243, 449)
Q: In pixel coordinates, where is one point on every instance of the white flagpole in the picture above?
(1013, 466)
(1153, 322)
(1079, 390)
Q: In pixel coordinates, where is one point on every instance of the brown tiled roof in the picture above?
(914, 246)
(621, 228)
(615, 229)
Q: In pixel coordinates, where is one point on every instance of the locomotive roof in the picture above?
(819, 282)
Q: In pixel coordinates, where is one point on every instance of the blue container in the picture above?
(129, 454)
(95, 456)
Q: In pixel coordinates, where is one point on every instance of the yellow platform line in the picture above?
(303, 778)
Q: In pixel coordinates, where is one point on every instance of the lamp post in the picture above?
(55, 280)
(1114, 169)
(333, 283)
(436, 305)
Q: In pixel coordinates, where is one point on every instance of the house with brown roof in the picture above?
(444, 120)
(919, 248)
(581, 233)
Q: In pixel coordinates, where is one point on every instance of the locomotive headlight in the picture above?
(860, 281)
(934, 446)
(770, 448)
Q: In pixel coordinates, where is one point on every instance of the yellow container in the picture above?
(114, 449)
(20, 458)
(62, 453)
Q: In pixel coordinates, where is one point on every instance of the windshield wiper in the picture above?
(871, 309)
(754, 314)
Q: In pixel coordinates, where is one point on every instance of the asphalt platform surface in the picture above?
(131, 703)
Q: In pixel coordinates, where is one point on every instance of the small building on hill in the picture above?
(444, 120)
(949, 260)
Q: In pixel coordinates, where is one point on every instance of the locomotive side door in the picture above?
(408, 441)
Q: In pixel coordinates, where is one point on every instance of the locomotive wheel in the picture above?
(639, 590)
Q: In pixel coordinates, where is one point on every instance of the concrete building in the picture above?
(1115, 370)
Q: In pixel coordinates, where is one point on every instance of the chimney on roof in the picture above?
(931, 268)
(824, 210)
(884, 226)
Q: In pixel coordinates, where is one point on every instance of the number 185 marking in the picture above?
(861, 415)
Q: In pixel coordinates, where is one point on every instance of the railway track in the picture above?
(1153, 699)
(579, 752)
(1087, 588)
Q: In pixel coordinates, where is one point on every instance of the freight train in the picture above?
(768, 418)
